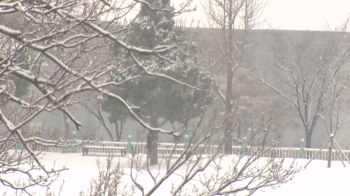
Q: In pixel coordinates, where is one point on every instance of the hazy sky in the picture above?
(298, 14)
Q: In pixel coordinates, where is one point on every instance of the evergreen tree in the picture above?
(159, 97)
(22, 86)
(118, 115)
(18, 86)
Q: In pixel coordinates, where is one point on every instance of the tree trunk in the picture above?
(239, 133)
(66, 132)
(119, 125)
(308, 144)
(119, 137)
(229, 116)
(308, 139)
(154, 144)
(330, 153)
(331, 136)
(229, 87)
(117, 132)
(177, 139)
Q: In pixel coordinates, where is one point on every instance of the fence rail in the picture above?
(168, 148)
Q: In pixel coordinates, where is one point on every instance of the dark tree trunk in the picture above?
(119, 137)
(308, 139)
(308, 143)
(177, 139)
(118, 132)
(154, 142)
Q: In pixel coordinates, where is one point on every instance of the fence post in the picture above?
(129, 149)
(244, 145)
(18, 144)
(74, 142)
(186, 140)
(302, 149)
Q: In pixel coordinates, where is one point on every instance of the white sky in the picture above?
(285, 14)
(297, 14)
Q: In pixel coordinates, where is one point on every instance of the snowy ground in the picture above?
(315, 180)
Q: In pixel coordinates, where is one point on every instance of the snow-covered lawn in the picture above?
(315, 180)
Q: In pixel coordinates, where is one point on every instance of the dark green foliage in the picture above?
(22, 86)
(117, 111)
(159, 97)
(19, 85)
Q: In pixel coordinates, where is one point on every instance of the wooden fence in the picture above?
(168, 148)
